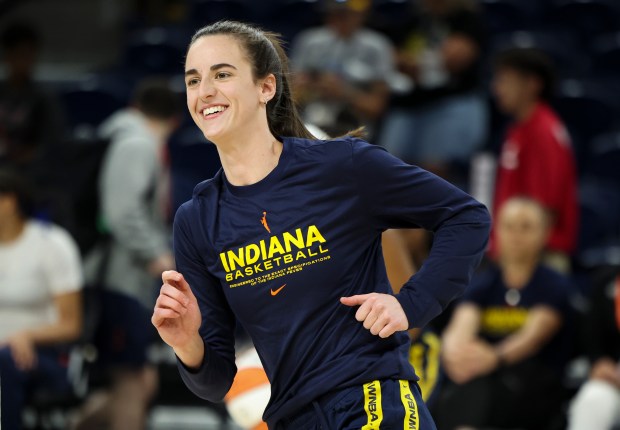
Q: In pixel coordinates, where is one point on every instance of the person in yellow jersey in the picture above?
(506, 344)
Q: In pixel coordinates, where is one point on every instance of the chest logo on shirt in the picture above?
(263, 221)
(503, 320)
(277, 256)
(275, 292)
(509, 158)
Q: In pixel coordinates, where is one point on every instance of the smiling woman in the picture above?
(254, 70)
(290, 210)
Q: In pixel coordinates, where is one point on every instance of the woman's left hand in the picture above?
(23, 351)
(382, 314)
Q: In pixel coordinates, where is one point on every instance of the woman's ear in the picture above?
(267, 88)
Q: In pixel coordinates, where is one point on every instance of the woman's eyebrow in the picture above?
(221, 66)
(212, 68)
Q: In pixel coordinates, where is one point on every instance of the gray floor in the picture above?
(186, 418)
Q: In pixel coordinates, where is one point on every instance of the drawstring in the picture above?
(321, 415)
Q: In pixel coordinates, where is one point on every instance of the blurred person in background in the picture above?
(31, 120)
(342, 69)
(505, 347)
(597, 404)
(40, 300)
(536, 159)
(135, 201)
(443, 119)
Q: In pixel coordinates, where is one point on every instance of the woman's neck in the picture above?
(248, 160)
(517, 273)
(11, 229)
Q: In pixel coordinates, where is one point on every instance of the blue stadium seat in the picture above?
(204, 12)
(511, 15)
(564, 49)
(192, 160)
(606, 55)
(600, 199)
(588, 109)
(293, 16)
(599, 231)
(604, 160)
(156, 51)
(89, 102)
(588, 17)
(394, 13)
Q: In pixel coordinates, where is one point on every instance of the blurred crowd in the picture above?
(512, 100)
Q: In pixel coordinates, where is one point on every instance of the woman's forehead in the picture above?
(521, 212)
(214, 49)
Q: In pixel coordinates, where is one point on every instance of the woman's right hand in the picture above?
(23, 351)
(177, 318)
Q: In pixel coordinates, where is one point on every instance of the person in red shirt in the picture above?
(536, 159)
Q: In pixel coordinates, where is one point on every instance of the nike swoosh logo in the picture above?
(273, 293)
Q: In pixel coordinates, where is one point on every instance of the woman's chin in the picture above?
(213, 135)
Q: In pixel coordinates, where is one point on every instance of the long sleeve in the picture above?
(398, 195)
(217, 371)
(127, 179)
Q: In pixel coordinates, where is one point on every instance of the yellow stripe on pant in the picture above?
(412, 420)
(372, 405)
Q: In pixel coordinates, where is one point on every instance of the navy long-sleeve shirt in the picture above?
(278, 255)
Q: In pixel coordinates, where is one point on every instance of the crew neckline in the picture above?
(268, 181)
(28, 225)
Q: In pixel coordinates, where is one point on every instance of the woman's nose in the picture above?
(207, 89)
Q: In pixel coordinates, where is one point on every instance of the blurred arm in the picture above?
(541, 325)
(463, 326)
(68, 326)
(127, 180)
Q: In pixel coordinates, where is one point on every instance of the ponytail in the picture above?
(283, 115)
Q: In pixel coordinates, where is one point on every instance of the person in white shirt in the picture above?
(134, 196)
(40, 300)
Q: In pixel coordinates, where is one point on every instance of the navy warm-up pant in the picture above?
(387, 405)
(15, 384)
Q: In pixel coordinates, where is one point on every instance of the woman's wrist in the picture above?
(192, 354)
(23, 336)
(500, 358)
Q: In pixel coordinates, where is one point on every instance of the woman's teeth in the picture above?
(213, 109)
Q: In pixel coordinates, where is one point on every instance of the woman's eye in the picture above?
(221, 75)
(192, 82)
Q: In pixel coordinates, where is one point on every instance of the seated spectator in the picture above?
(536, 158)
(135, 201)
(31, 121)
(597, 404)
(40, 301)
(505, 346)
(342, 69)
(442, 120)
